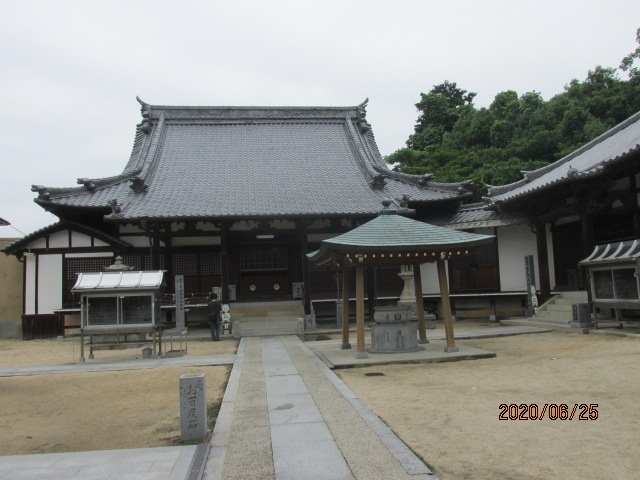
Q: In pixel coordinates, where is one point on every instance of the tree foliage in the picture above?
(456, 141)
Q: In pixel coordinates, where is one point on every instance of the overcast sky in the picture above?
(70, 71)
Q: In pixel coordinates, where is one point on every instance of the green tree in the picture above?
(439, 110)
(631, 63)
(455, 141)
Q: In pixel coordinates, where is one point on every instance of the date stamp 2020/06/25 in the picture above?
(552, 411)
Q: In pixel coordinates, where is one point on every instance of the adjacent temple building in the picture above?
(235, 197)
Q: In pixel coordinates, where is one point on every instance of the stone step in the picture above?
(557, 325)
(571, 297)
(267, 319)
(562, 315)
(263, 329)
(560, 307)
(245, 311)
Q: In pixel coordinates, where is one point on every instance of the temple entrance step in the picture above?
(268, 328)
(266, 311)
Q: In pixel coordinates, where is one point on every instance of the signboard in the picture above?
(180, 301)
(298, 290)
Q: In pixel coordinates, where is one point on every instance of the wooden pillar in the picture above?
(360, 351)
(417, 282)
(371, 290)
(345, 308)
(543, 261)
(446, 308)
(306, 273)
(155, 256)
(586, 227)
(224, 262)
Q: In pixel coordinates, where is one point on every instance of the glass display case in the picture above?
(613, 270)
(119, 309)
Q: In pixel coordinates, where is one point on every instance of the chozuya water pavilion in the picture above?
(392, 239)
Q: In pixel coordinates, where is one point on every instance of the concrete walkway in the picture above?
(163, 463)
(285, 415)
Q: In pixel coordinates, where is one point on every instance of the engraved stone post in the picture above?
(180, 310)
(193, 407)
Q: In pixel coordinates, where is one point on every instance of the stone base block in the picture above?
(396, 338)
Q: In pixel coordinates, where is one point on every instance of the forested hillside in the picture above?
(456, 141)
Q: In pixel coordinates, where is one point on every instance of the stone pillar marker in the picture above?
(193, 407)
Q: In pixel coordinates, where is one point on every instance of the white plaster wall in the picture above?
(30, 285)
(136, 241)
(59, 239)
(38, 243)
(430, 283)
(80, 240)
(514, 244)
(99, 243)
(49, 283)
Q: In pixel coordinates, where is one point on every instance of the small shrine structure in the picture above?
(119, 308)
(392, 239)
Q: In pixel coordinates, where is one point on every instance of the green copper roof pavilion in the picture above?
(401, 238)
(391, 239)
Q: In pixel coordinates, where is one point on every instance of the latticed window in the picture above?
(74, 266)
(210, 264)
(476, 271)
(185, 263)
(481, 256)
(264, 257)
(201, 270)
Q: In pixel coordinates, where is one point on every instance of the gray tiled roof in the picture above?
(204, 162)
(477, 215)
(590, 160)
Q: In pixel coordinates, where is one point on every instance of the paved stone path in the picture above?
(285, 415)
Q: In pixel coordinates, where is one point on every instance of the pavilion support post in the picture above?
(345, 308)
(360, 351)
(446, 308)
(417, 281)
(370, 273)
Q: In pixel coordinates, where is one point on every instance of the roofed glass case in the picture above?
(615, 284)
(118, 310)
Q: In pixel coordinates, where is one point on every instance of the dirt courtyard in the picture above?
(448, 413)
(96, 411)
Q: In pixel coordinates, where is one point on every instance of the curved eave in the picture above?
(524, 188)
(53, 207)
(18, 246)
(398, 254)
